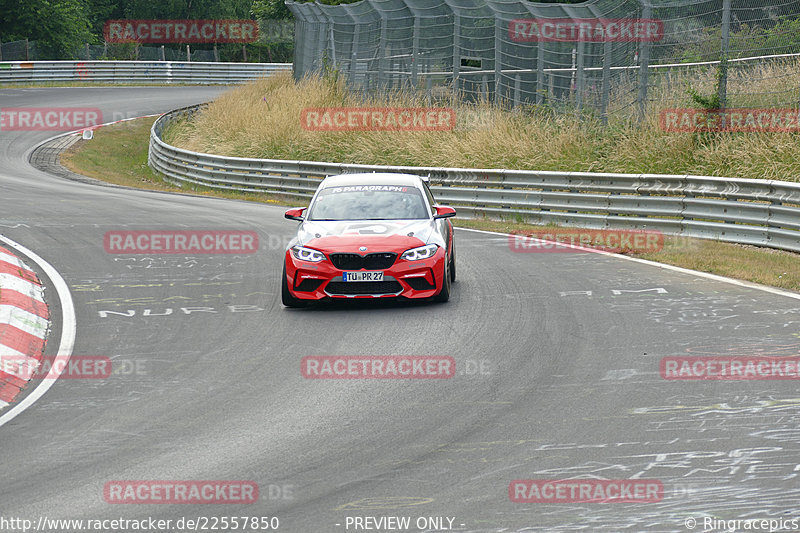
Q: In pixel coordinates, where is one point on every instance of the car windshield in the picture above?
(368, 202)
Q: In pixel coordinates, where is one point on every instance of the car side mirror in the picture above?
(443, 211)
(295, 213)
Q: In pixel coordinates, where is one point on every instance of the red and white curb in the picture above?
(24, 323)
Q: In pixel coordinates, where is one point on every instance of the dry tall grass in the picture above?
(262, 119)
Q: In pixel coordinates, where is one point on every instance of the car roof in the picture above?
(372, 178)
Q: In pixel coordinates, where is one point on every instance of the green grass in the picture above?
(118, 154)
(262, 120)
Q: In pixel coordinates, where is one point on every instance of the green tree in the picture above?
(270, 10)
(58, 26)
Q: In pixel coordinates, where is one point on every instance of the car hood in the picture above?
(376, 235)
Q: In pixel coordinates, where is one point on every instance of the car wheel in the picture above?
(453, 264)
(286, 296)
(444, 294)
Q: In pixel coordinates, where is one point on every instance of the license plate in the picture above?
(362, 276)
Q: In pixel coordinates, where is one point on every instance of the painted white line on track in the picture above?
(68, 329)
(715, 277)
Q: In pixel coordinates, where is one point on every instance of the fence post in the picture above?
(540, 89)
(606, 82)
(723, 60)
(216, 53)
(415, 50)
(244, 53)
(88, 57)
(573, 72)
(105, 49)
(456, 49)
(188, 54)
(1, 49)
(163, 54)
(498, 59)
(429, 89)
(580, 82)
(644, 58)
(383, 83)
(354, 53)
(27, 50)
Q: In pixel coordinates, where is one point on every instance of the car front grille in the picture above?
(309, 285)
(363, 287)
(376, 261)
(419, 284)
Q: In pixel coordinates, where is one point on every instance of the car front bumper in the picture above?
(404, 279)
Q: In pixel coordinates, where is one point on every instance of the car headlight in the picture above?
(423, 252)
(307, 254)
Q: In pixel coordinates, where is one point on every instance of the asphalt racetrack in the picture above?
(557, 376)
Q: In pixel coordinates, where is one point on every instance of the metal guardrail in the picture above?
(145, 72)
(756, 212)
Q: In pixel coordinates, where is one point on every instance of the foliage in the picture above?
(57, 26)
(744, 40)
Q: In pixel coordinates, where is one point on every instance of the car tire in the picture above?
(453, 263)
(444, 294)
(286, 296)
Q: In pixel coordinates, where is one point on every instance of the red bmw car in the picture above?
(370, 236)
